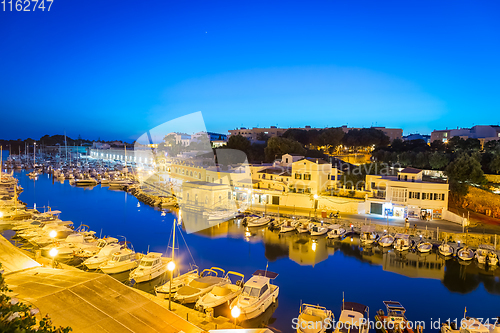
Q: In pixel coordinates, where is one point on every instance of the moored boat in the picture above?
(386, 240)
(200, 286)
(257, 295)
(150, 267)
(446, 249)
(336, 231)
(353, 317)
(314, 319)
(465, 253)
(394, 321)
(222, 294)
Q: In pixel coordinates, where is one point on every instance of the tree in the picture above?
(16, 316)
(495, 164)
(421, 160)
(438, 160)
(463, 171)
(331, 138)
(278, 146)
(263, 136)
(239, 142)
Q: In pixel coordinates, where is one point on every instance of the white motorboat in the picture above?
(465, 253)
(221, 294)
(336, 231)
(257, 221)
(90, 251)
(368, 235)
(121, 261)
(318, 230)
(86, 182)
(353, 315)
(200, 286)
(177, 282)
(85, 237)
(386, 240)
(424, 247)
(150, 267)
(303, 226)
(314, 319)
(486, 254)
(257, 295)
(445, 249)
(402, 242)
(102, 256)
(287, 226)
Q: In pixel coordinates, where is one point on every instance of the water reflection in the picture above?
(457, 276)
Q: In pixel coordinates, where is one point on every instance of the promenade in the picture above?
(92, 302)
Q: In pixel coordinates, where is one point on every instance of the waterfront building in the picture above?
(406, 195)
(480, 132)
(255, 133)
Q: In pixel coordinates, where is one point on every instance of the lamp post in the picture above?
(235, 313)
(315, 204)
(53, 253)
(170, 267)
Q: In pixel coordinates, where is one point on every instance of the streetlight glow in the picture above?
(316, 197)
(53, 252)
(53, 234)
(171, 266)
(235, 312)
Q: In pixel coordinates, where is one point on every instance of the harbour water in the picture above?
(312, 271)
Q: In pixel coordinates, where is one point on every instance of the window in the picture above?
(298, 176)
(424, 196)
(414, 195)
(308, 190)
(373, 185)
(264, 176)
(406, 177)
(413, 179)
(399, 194)
(263, 290)
(307, 176)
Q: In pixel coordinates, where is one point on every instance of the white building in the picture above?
(406, 195)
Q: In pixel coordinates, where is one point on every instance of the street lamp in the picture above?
(235, 313)
(53, 253)
(315, 204)
(170, 267)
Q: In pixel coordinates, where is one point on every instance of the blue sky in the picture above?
(114, 69)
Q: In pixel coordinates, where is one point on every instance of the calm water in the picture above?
(318, 273)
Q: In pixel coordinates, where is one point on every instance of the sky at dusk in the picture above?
(115, 69)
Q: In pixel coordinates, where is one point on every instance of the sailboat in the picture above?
(180, 280)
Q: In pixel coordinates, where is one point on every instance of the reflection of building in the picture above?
(406, 195)
(414, 265)
(204, 196)
(308, 251)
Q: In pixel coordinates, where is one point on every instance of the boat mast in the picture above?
(1, 163)
(173, 241)
(66, 145)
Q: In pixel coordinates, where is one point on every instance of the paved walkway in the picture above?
(14, 259)
(87, 302)
(443, 225)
